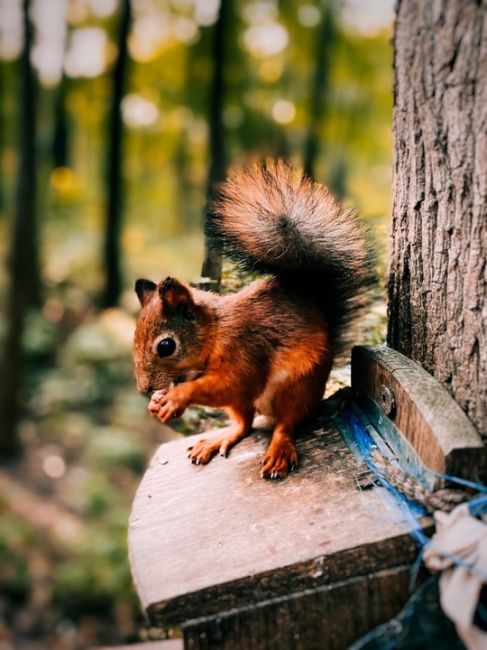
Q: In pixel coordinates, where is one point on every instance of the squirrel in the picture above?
(269, 347)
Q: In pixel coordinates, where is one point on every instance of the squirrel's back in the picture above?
(272, 219)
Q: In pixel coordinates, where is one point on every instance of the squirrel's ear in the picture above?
(174, 295)
(144, 290)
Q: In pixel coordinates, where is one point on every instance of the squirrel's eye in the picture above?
(166, 347)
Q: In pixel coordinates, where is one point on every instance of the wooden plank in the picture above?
(417, 415)
(328, 617)
(204, 539)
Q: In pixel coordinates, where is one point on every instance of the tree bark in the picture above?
(113, 273)
(437, 282)
(23, 265)
(212, 264)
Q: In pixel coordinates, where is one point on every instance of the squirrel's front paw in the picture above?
(155, 402)
(167, 404)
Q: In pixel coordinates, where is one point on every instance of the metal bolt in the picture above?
(387, 400)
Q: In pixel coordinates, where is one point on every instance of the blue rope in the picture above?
(478, 506)
(410, 509)
(459, 481)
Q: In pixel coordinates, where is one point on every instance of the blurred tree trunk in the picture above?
(60, 140)
(185, 183)
(212, 264)
(437, 283)
(186, 187)
(338, 177)
(112, 262)
(23, 265)
(319, 88)
(2, 140)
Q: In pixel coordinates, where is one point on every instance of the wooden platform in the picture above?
(312, 561)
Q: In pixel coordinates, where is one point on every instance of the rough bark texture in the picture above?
(437, 283)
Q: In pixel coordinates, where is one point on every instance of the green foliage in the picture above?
(111, 447)
(87, 445)
(95, 573)
(15, 539)
(40, 336)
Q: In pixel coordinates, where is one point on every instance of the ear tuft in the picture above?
(144, 290)
(174, 295)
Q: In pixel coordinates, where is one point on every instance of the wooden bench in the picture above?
(312, 561)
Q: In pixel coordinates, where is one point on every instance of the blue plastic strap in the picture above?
(411, 509)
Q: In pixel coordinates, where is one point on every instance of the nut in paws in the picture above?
(165, 405)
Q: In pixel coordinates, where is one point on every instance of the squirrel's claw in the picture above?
(281, 458)
(224, 449)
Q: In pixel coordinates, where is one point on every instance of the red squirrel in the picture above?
(269, 347)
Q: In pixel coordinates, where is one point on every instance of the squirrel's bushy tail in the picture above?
(272, 219)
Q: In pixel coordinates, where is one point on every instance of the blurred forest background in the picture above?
(116, 120)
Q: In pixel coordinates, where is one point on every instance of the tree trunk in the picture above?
(319, 88)
(60, 138)
(24, 261)
(437, 283)
(23, 265)
(113, 273)
(185, 194)
(2, 140)
(212, 264)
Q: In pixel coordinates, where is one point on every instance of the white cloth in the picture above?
(465, 537)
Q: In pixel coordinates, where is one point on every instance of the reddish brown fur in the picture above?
(269, 347)
(257, 343)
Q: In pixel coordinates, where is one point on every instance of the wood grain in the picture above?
(328, 617)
